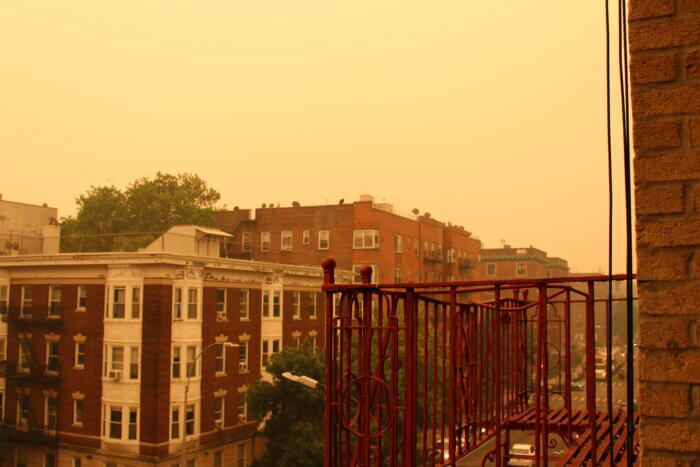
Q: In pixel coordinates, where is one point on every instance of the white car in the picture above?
(522, 450)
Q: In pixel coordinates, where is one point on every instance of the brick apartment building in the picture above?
(664, 42)
(512, 263)
(96, 348)
(400, 247)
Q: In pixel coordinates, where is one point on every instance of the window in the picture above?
(305, 237)
(23, 411)
(133, 423)
(312, 305)
(82, 297)
(397, 275)
(134, 363)
(219, 459)
(54, 301)
(24, 355)
(490, 269)
(415, 246)
(27, 294)
(323, 239)
(264, 241)
(356, 276)
(118, 302)
(220, 359)
(220, 303)
(78, 411)
(52, 357)
(368, 238)
(189, 419)
(521, 269)
(243, 357)
(174, 423)
(219, 411)
(266, 304)
(115, 422)
(117, 358)
(192, 303)
(52, 412)
(176, 362)
(4, 296)
(296, 305)
(276, 304)
(242, 410)
(3, 353)
(77, 462)
(136, 302)
(50, 459)
(240, 456)
(265, 352)
(247, 242)
(398, 244)
(177, 303)
(286, 240)
(191, 363)
(313, 341)
(244, 303)
(425, 248)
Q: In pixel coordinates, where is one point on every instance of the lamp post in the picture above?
(187, 389)
(303, 380)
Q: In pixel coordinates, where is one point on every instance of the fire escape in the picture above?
(32, 380)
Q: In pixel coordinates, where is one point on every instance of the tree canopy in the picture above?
(293, 413)
(110, 219)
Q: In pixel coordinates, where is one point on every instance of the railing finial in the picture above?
(328, 266)
(366, 274)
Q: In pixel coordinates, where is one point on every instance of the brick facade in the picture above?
(664, 40)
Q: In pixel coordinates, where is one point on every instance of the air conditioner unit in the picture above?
(221, 315)
(115, 375)
(218, 424)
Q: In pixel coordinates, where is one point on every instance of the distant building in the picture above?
(401, 247)
(96, 349)
(27, 229)
(526, 263)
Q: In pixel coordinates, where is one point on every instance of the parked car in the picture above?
(577, 386)
(519, 449)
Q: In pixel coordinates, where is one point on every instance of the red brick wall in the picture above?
(664, 40)
(155, 371)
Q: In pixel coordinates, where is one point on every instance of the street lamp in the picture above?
(303, 380)
(187, 389)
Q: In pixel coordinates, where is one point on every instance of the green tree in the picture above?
(146, 206)
(293, 414)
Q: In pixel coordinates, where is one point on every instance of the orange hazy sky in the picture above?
(486, 114)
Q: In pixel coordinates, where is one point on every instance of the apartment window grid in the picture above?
(286, 239)
(27, 301)
(264, 241)
(51, 416)
(175, 422)
(4, 302)
(221, 304)
(220, 359)
(398, 275)
(365, 239)
(54, 301)
(136, 303)
(244, 304)
(118, 302)
(191, 368)
(323, 239)
(521, 269)
(247, 242)
(296, 305)
(192, 299)
(134, 363)
(78, 412)
(52, 361)
(177, 361)
(276, 305)
(81, 294)
(177, 303)
(243, 357)
(398, 243)
(312, 305)
(189, 419)
(266, 304)
(306, 237)
(219, 411)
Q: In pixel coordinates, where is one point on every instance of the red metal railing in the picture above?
(424, 373)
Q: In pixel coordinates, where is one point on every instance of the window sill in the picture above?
(219, 374)
(79, 367)
(244, 319)
(77, 425)
(313, 317)
(222, 320)
(243, 372)
(296, 318)
(80, 310)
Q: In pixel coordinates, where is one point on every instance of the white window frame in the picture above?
(276, 304)
(398, 243)
(27, 303)
(242, 415)
(221, 307)
(243, 352)
(191, 363)
(3, 351)
(244, 314)
(266, 303)
(77, 402)
(133, 348)
(177, 430)
(296, 305)
(222, 412)
(113, 302)
(193, 420)
(81, 292)
(129, 411)
(360, 239)
(4, 301)
(246, 242)
(324, 236)
(47, 399)
(306, 237)
(110, 409)
(192, 305)
(56, 356)
(313, 306)
(220, 356)
(286, 239)
(398, 275)
(242, 462)
(264, 241)
(415, 246)
(177, 303)
(76, 353)
(55, 312)
(176, 349)
(136, 299)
